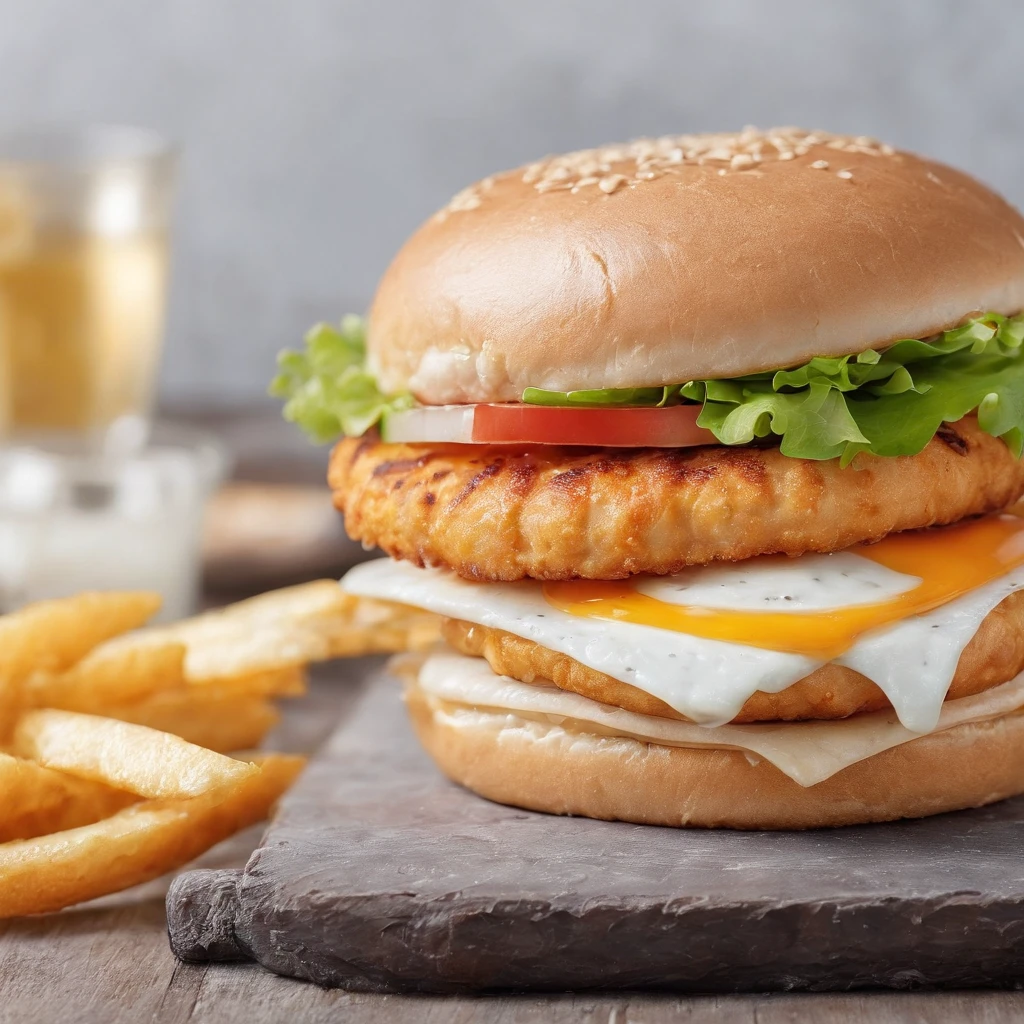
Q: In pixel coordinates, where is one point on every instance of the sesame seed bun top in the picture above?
(688, 257)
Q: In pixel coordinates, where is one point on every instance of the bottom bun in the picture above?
(543, 767)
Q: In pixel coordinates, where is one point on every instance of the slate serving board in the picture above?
(379, 875)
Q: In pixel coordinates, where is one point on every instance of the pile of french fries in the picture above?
(115, 739)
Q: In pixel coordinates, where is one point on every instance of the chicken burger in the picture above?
(703, 446)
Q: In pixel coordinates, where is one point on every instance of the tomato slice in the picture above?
(673, 426)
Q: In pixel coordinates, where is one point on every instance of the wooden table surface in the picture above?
(110, 962)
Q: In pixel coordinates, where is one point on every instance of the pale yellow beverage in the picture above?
(80, 328)
(84, 216)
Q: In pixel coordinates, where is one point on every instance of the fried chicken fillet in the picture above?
(505, 513)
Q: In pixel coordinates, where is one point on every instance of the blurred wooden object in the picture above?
(273, 523)
(259, 536)
(264, 447)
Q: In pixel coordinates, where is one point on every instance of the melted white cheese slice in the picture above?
(913, 661)
(808, 752)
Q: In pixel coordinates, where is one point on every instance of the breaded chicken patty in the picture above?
(554, 513)
(994, 655)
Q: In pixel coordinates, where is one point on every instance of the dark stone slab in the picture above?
(205, 909)
(379, 875)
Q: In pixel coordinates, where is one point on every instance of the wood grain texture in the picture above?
(115, 968)
(244, 994)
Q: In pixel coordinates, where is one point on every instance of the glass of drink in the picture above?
(84, 215)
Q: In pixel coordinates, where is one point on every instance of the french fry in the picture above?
(35, 800)
(122, 672)
(123, 755)
(135, 845)
(52, 635)
(383, 627)
(219, 722)
(113, 673)
(97, 718)
(279, 682)
(276, 630)
(311, 622)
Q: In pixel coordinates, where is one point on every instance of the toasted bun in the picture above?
(522, 762)
(688, 257)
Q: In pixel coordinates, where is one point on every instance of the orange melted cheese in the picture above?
(950, 561)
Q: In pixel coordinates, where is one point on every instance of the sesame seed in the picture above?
(609, 168)
(467, 199)
(612, 182)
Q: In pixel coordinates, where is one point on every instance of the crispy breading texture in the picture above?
(994, 655)
(504, 513)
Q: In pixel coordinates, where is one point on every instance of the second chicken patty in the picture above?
(994, 655)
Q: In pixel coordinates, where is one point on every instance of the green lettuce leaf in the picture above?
(886, 403)
(327, 388)
(601, 397)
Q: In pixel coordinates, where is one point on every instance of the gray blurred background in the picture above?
(319, 133)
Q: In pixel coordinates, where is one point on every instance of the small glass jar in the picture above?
(71, 522)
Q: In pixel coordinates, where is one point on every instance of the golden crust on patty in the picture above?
(994, 655)
(507, 512)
